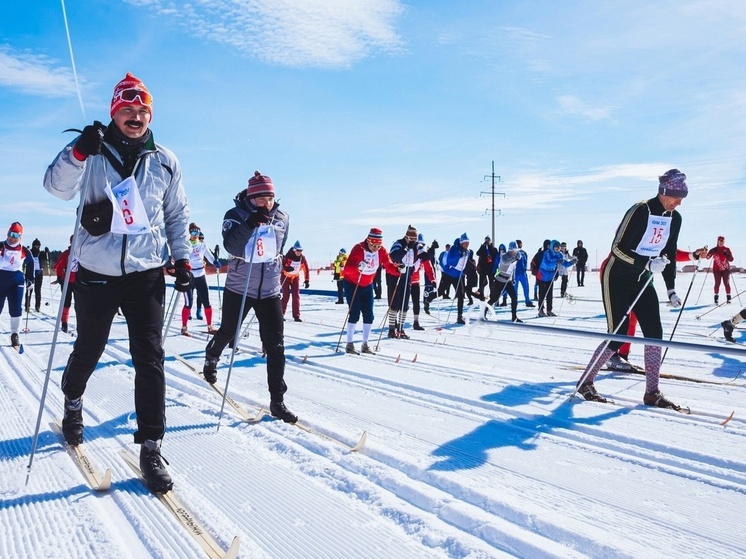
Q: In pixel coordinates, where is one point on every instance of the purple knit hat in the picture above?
(673, 183)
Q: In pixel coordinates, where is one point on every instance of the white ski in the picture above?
(245, 415)
(96, 481)
(186, 519)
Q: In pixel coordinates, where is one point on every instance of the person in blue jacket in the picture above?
(547, 272)
(521, 273)
(458, 255)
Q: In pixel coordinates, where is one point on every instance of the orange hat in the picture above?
(131, 91)
(16, 227)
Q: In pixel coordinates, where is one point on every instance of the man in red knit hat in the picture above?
(134, 209)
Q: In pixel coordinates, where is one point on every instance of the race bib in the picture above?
(656, 236)
(262, 246)
(461, 264)
(129, 217)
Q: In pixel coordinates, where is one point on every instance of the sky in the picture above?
(385, 113)
(473, 449)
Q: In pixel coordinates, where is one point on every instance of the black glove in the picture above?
(306, 284)
(435, 244)
(258, 216)
(91, 139)
(183, 277)
(288, 268)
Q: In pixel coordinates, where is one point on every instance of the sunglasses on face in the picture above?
(14, 234)
(194, 233)
(131, 94)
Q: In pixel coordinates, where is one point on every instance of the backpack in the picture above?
(536, 261)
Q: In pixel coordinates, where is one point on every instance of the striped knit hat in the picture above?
(673, 183)
(375, 235)
(260, 185)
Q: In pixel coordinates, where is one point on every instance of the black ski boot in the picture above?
(278, 410)
(210, 369)
(63, 327)
(728, 330)
(392, 332)
(156, 476)
(416, 326)
(14, 340)
(72, 421)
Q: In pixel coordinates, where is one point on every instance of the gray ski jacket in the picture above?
(158, 176)
(265, 276)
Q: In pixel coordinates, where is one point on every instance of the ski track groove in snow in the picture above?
(426, 475)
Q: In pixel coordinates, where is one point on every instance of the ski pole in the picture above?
(349, 308)
(65, 287)
(171, 312)
(681, 310)
(717, 306)
(704, 281)
(607, 342)
(732, 277)
(237, 332)
(217, 257)
(28, 307)
(546, 294)
(388, 310)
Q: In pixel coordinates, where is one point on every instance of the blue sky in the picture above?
(385, 113)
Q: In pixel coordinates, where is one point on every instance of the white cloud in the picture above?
(34, 74)
(570, 104)
(297, 33)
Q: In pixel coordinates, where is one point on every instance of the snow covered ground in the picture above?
(473, 448)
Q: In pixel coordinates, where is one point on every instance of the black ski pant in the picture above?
(505, 288)
(140, 296)
(271, 332)
(38, 282)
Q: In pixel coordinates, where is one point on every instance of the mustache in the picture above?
(134, 123)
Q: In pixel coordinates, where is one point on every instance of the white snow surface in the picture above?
(474, 449)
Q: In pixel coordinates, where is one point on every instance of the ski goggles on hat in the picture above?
(131, 95)
(14, 235)
(194, 232)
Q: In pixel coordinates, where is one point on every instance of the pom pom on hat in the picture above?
(375, 235)
(16, 227)
(260, 185)
(131, 82)
(297, 246)
(673, 183)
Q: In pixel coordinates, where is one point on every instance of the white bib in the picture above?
(265, 248)
(656, 236)
(129, 217)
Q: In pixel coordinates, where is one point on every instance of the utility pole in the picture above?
(493, 198)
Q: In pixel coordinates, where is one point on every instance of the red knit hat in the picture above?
(131, 91)
(16, 227)
(260, 185)
(375, 235)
